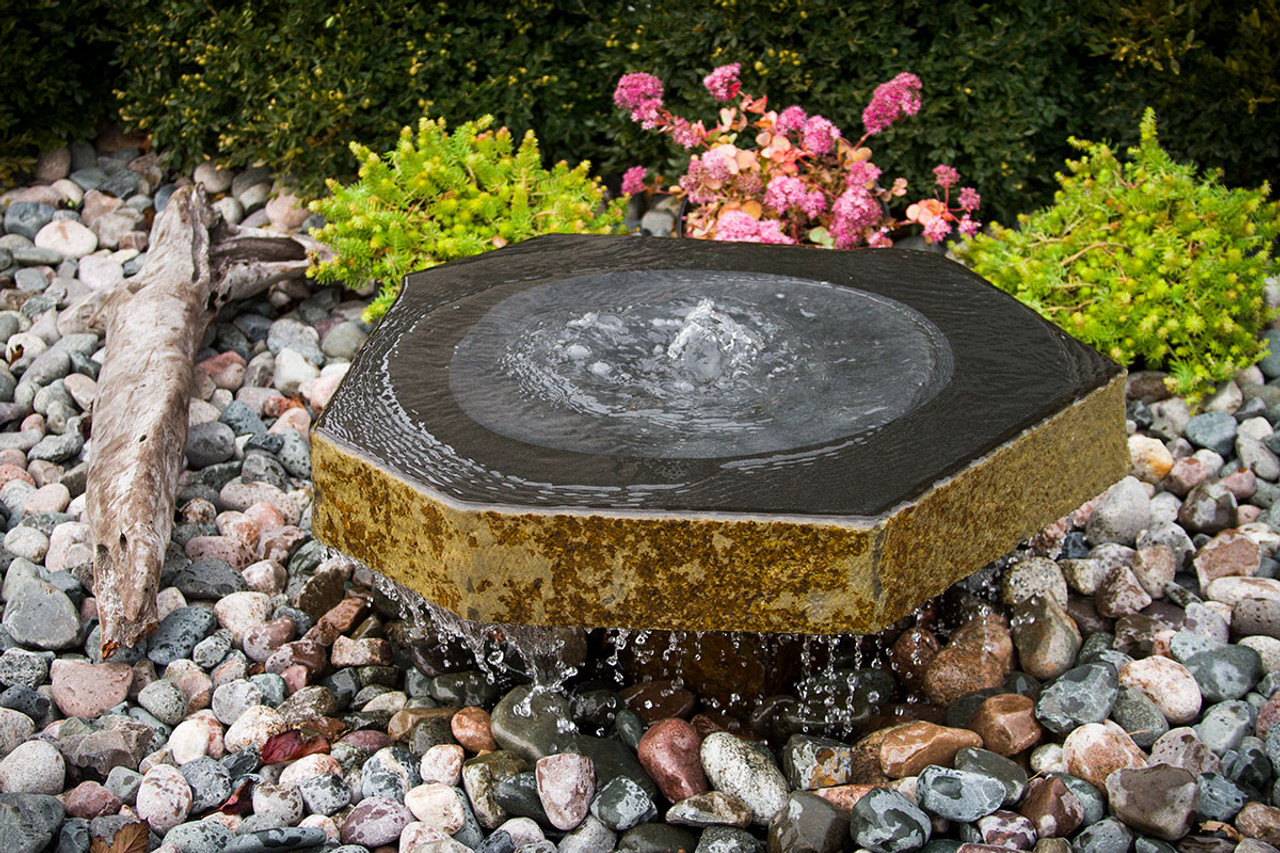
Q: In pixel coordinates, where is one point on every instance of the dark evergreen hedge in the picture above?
(292, 82)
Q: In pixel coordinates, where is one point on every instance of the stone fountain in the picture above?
(676, 434)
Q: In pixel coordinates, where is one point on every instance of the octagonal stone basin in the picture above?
(650, 433)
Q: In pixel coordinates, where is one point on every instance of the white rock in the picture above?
(215, 178)
(69, 190)
(437, 805)
(1232, 590)
(231, 209)
(164, 798)
(240, 611)
(292, 370)
(253, 728)
(1268, 648)
(68, 238)
(35, 767)
(100, 272)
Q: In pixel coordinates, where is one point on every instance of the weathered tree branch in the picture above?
(154, 326)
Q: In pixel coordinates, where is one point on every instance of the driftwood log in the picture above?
(154, 325)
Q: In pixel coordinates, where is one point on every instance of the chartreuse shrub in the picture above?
(438, 197)
(1145, 260)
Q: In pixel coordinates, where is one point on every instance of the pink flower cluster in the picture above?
(820, 135)
(891, 101)
(641, 95)
(946, 176)
(787, 193)
(633, 180)
(803, 181)
(741, 227)
(723, 83)
(790, 120)
(855, 213)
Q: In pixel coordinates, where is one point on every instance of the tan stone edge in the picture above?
(716, 571)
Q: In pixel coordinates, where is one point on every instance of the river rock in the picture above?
(737, 767)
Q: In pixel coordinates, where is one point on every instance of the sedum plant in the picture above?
(1145, 261)
(790, 177)
(439, 196)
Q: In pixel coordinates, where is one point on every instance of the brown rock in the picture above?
(657, 700)
(82, 689)
(1242, 483)
(909, 748)
(1049, 804)
(1260, 821)
(1007, 723)
(1120, 594)
(1154, 566)
(843, 797)
(261, 641)
(979, 655)
(471, 729)
(404, 721)
(193, 682)
(1094, 751)
(910, 656)
(1157, 800)
(669, 752)
(300, 652)
(1149, 458)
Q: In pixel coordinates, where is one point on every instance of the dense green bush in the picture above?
(1211, 70)
(291, 83)
(1145, 261)
(52, 75)
(438, 197)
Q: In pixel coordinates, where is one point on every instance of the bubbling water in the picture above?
(665, 366)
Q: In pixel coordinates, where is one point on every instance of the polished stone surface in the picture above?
(632, 432)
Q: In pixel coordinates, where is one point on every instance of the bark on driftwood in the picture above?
(154, 326)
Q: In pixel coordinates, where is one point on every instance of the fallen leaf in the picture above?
(130, 838)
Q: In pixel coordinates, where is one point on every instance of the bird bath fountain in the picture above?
(633, 433)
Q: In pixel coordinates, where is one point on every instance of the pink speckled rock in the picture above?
(566, 784)
(1094, 751)
(1168, 684)
(375, 821)
(442, 763)
(164, 798)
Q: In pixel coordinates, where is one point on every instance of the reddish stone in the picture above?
(1094, 751)
(909, 748)
(226, 369)
(261, 641)
(843, 797)
(9, 473)
(979, 655)
(910, 656)
(89, 800)
(1007, 723)
(1229, 554)
(82, 689)
(471, 729)
(280, 543)
(295, 677)
(1185, 475)
(301, 652)
(368, 739)
(1049, 804)
(669, 751)
(1242, 483)
(193, 682)
(1267, 714)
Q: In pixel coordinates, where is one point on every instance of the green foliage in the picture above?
(52, 76)
(1145, 261)
(1210, 69)
(438, 197)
